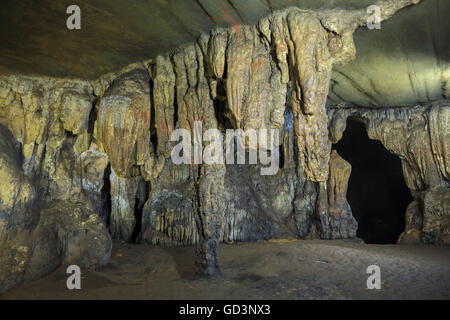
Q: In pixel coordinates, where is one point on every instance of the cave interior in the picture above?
(91, 117)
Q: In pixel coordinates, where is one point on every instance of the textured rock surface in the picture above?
(420, 137)
(404, 63)
(46, 218)
(99, 152)
(37, 237)
(124, 120)
(17, 194)
(63, 233)
(343, 225)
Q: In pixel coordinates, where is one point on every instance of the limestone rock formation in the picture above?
(420, 137)
(96, 155)
(124, 120)
(343, 225)
(36, 237)
(17, 195)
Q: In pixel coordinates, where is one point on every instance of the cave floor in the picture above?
(277, 269)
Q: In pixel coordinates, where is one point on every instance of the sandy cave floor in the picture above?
(278, 269)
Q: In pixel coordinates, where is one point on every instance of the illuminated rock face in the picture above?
(37, 236)
(420, 137)
(97, 154)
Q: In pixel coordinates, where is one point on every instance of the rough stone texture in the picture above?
(124, 194)
(66, 233)
(311, 63)
(17, 194)
(124, 120)
(149, 28)
(82, 237)
(46, 216)
(420, 137)
(436, 216)
(98, 152)
(163, 78)
(343, 225)
(168, 214)
(404, 63)
(123, 133)
(94, 172)
(35, 238)
(255, 91)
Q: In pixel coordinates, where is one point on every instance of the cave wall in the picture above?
(101, 150)
(420, 137)
(377, 192)
(48, 179)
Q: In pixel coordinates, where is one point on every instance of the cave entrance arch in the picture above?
(376, 192)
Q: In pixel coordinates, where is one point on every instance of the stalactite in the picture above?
(274, 75)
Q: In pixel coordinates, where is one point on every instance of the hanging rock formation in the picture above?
(97, 154)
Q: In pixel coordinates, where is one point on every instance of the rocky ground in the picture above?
(278, 269)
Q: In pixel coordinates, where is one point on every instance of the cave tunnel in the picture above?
(377, 192)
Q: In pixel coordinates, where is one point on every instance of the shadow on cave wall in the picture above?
(377, 192)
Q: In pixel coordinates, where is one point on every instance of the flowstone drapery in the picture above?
(82, 156)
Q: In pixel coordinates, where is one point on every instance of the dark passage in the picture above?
(377, 192)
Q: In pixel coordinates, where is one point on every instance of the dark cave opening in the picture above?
(376, 192)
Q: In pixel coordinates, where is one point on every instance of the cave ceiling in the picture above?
(404, 63)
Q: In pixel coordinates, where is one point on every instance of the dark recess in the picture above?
(281, 161)
(92, 117)
(106, 197)
(220, 108)
(377, 192)
(141, 199)
(153, 134)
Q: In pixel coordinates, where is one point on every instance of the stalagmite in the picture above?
(102, 149)
(343, 225)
